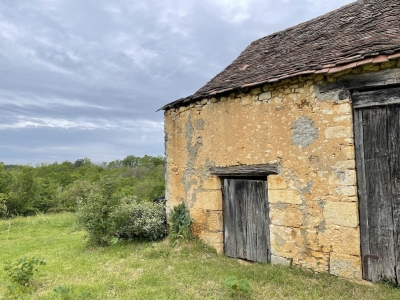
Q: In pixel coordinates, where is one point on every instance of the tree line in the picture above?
(27, 190)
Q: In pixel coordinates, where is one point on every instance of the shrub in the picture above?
(21, 270)
(94, 215)
(76, 191)
(180, 222)
(108, 218)
(143, 220)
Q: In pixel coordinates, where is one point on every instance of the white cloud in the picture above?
(28, 100)
(24, 122)
(237, 11)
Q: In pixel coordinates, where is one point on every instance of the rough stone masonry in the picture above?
(313, 199)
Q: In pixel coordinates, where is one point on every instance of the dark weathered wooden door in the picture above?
(246, 219)
(377, 135)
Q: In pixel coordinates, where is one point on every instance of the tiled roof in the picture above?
(361, 32)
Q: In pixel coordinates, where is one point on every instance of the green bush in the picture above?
(180, 222)
(94, 215)
(133, 219)
(22, 270)
(107, 219)
(76, 191)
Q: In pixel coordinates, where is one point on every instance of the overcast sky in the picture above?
(84, 78)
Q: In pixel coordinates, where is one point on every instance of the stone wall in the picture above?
(313, 200)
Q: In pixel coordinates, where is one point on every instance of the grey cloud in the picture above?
(70, 66)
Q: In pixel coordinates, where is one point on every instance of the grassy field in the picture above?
(153, 270)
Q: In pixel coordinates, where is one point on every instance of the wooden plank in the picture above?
(394, 151)
(245, 171)
(240, 217)
(380, 222)
(229, 219)
(362, 190)
(367, 80)
(376, 97)
(251, 223)
(261, 218)
(396, 234)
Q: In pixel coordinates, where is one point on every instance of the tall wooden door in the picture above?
(377, 136)
(246, 219)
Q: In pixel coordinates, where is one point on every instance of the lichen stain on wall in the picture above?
(313, 202)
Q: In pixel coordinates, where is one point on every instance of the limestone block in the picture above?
(347, 190)
(211, 200)
(349, 199)
(287, 216)
(256, 91)
(345, 165)
(213, 183)
(214, 221)
(341, 213)
(309, 262)
(338, 132)
(246, 100)
(212, 238)
(342, 240)
(285, 241)
(345, 108)
(348, 152)
(347, 118)
(277, 260)
(276, 182)
(345, 266)
(198, 225)
(310, 236)
(327, 111)
(314, 214)
(199, 216)
(349, 177)
(343, 178)
(215, 100)
(183, 108)
(265, 96)
(284, 196)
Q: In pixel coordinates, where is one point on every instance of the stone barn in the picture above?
(291, 155)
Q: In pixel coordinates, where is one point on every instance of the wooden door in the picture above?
(377, 136)
(246, 219)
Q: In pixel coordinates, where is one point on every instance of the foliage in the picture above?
(144, 220)
(22, 270)
(107, 217)
(66, 293)
(94, 216)
(180, 222)
(28, 190)
(239, 285)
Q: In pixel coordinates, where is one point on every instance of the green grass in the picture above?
(153, 270)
